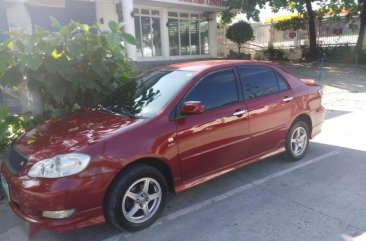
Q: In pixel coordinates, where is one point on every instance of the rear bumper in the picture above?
(316, 130)
(317, 118)
(30, 197)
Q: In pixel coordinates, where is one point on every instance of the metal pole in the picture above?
(321, 68)
(355, 66)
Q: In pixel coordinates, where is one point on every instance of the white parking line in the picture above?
(228, 194)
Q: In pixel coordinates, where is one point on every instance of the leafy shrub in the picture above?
(342, 53)
(12, 126)
(73, 66)
(273, 53)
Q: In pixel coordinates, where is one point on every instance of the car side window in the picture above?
(282, 84)
(216, 90)
(259, 81)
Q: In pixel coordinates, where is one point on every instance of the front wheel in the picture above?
(297, 141)
(137, 198)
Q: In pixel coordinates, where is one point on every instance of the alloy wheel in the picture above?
(299, 141)
(141, 200)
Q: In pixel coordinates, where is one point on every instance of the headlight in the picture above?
(60, 166)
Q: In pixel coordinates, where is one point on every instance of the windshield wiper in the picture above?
(106, 109)
(116, 110)
(123, 111)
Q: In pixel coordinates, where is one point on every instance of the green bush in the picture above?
(341, 54)
(73, 66)
(273, 53)
(12, 126)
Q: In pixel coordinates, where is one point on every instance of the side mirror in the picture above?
(192, 108)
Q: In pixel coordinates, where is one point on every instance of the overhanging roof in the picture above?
(198, 5)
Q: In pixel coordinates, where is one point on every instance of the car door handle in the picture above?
(240, 112)
(287, 99)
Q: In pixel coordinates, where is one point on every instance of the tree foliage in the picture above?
(240, 33)
(252, 8)
(72, 66)
(294, 23)
(353, 9)
(248, 7)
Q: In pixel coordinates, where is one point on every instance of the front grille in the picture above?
(15, 161)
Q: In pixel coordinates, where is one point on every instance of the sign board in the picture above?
(218, 3)
(337, 31)
(292, 34)
(48, 3)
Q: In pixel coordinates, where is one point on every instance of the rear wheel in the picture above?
(297, 141)
(137, 198)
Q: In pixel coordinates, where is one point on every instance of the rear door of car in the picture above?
(270, 106)
(219, 136)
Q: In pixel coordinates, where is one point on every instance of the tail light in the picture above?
(321, 96)
(321, 92)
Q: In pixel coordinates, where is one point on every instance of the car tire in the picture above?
(136, 198)
(297, 141)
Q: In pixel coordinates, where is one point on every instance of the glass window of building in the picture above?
(204, 34)
(188, 33)
(173, 36)
(147, 32)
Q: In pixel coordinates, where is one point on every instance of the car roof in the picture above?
(199, 66)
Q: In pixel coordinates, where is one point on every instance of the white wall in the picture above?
(107, 11)
(212, 35)
(18, 17)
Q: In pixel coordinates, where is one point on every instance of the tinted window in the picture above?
(148, 95)
(282, 83)
(258, 81)
(215, 90)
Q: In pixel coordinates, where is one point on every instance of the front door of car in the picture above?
(270, 106)
(217, 137)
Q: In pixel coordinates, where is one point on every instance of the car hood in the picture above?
(70, 133)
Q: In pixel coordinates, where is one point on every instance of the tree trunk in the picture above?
(361, 32)
(30, 99)
(312, 30)
(239, 48)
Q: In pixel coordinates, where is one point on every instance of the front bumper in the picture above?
(30, 197)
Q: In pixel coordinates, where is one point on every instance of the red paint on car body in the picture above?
(195, 149)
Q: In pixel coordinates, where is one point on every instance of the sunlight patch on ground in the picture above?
(345, 117)
(361, 237)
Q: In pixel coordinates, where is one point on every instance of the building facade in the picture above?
(164, 29)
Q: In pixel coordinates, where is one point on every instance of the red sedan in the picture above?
(176, 127)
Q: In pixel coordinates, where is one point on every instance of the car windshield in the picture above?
(146, 96)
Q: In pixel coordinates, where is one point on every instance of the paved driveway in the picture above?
(321, 197)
